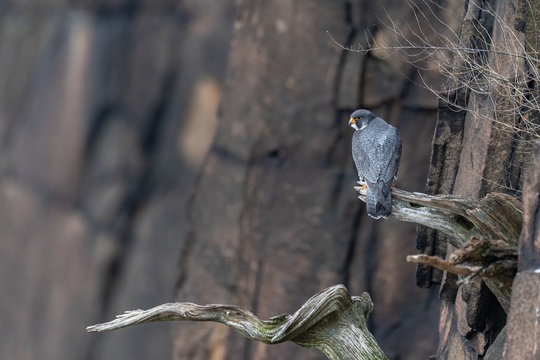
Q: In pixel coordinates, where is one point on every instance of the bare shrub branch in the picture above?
(499, 66)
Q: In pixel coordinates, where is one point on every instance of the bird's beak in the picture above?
(351, 121)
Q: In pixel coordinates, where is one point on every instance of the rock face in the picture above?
(97, 99)
(522, 338)
(106, 116)
(481, 145)
(274, 216)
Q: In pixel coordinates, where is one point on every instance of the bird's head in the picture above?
(361, 118)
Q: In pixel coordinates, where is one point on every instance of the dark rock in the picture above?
(94, 176)
(522, 329)
(473, 156)
(274, 215)
(497, 349)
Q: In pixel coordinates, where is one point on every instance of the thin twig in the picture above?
(442, 264)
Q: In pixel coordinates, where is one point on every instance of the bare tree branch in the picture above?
(495, 219)
(497, 216)
(442, 264)
(332, 321)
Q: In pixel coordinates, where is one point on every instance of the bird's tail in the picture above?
(379, 199)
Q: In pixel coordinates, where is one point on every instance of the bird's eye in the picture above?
(357, 118)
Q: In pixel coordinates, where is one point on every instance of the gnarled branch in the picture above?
(496, 216)
(496, 220)
(332, 321)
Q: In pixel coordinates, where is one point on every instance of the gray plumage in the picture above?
(376, 150)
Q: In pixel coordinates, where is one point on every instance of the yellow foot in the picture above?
(393, 185)
(363, 187)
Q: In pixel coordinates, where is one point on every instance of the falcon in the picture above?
(376, 150)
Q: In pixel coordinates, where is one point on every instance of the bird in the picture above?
(376, 150)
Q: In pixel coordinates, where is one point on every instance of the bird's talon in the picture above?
(363, 187)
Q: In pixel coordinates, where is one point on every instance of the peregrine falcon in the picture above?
(376, 150)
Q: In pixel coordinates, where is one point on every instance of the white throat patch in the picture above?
(354, 126)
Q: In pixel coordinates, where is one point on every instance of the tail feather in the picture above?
(379, 199)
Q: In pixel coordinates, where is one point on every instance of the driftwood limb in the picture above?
(496, 216)
(332, 321)
(485, 231)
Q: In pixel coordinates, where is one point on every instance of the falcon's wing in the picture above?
(393, 163)
(362, 151)
(377, 152)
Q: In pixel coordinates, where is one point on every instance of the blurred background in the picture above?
(198, 150)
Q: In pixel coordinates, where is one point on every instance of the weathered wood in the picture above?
(443, 264)
(494, 260)
(496, 216)
(331, 321)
